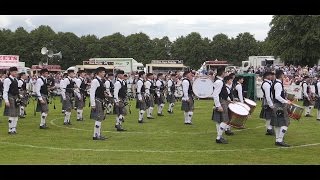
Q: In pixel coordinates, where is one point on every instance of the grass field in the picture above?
(164, 140)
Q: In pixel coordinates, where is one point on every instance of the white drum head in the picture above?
(238, 109)
(249, 101)
(203, 87)
(244, 105)
(178, 92)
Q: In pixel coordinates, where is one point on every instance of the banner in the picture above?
(293, 89)
(9, 60)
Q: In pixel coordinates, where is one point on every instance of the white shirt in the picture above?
(108, 85)
(20, 83)
(93, 87)
(218, 84)
(158, 84)
(117, 87)
(239, 89)
(139, 86)
(266, 87)
(304, 89)
(170, 83)
(39, 84)
(64, 83)
(6, 87)
(228, 90)
(318, 85)
(147, 86)
(78, 82)
(278, 89)
(185, 88)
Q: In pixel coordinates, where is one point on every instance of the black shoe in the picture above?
(65, 123)
(99, 138)
(283, 144)
(12, 133)
(160, 114)
(188, 123)
(150, 117)
(79, 120)
(140, 121)
(69, 123)
(318, 119)
(221, 141)
(270, 132)
(308, 115)
(22, 117)
(44, 127)
(229, 133)
(121, 129)
(170, 112)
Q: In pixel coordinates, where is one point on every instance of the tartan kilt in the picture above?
(149, 101)
(141, 104)
(13, 110)
(220, 117)
(67, 104)
(280, 115)
(187, 106)
(159, 100)
(97, 114)
(79, 103)
(43, 107)
(266, 112)
(120, 108)
(306, 102)
(171, 98)
(317, 104)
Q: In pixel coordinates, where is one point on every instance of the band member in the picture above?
(120, 93)
(41, 88)
(171, 89)
(97, 96)
(82, 86)
(238, 92)
(306, 91)
(229, 90)
(149, 95)
(160, 93)
(280, 119)
(22, 85)
(68, 93)
(141, 103)
(317, 91)
(1, 90)
(109, 90)
(267, 104)
(11, 99)
(220, 113)
(187, 99)
(64, 76)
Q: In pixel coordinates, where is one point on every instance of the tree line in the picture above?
(293, 38)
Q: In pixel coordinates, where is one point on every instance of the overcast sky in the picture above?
(172, 26)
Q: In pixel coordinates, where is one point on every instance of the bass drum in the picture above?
(203, 87)
(178, 92)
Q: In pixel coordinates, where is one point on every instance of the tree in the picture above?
(295, 38)
(161, 48)
(221, 47)
(114, 45)
(139, 47)
(244, 45)
(90, 47)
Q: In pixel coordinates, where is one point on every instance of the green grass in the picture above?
(164, 140)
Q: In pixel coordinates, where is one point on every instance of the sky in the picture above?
(155, 26)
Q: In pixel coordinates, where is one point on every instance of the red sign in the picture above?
(49, 67)
(9, 58)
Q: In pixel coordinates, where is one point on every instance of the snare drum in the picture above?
(244, 105)
(238, 115)
(251, 104)
(203, 87)
(295, 111)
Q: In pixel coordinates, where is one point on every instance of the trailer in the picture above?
(257, 61)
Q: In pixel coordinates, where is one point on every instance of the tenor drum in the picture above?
(238, 115)
(251, 104)
(244, 105)
(178, 92)
(203, 87)
(295, 111)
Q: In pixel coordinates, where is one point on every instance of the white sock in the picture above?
(150, 111)
(159, 109)
(10, 122)
(141, 113)
(170, 107)
(185, 117)
(109, 107)
(43, 118)
(310, 108)
(67, 116)
(14, 124)
(190, 114)
(79, 113)
(217, 126)
(21, 110)
(283, 131)
(268, 126)
(277, 131)
(227, 127)
(97, 128)
(306, 110)
(222, 127)
(318, 114)
(118, 121)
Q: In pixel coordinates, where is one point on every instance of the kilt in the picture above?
(43, 107)
(266, 111)
(13, 110)
(171, 98)
(317, 104)
(24, 100)
(187, 106)
(98, 113)
(159, 100)
(67, 104)
(141, 104)
(149, 101)
(120, 108)
(280, 115)
(306, 102)
(220, 117)
(79, 103)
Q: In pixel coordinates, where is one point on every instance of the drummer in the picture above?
(220, 112)
(317, 91)
(238, 92)
(267, 104)
(280, 119)
(306, 91)
(229, 87)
